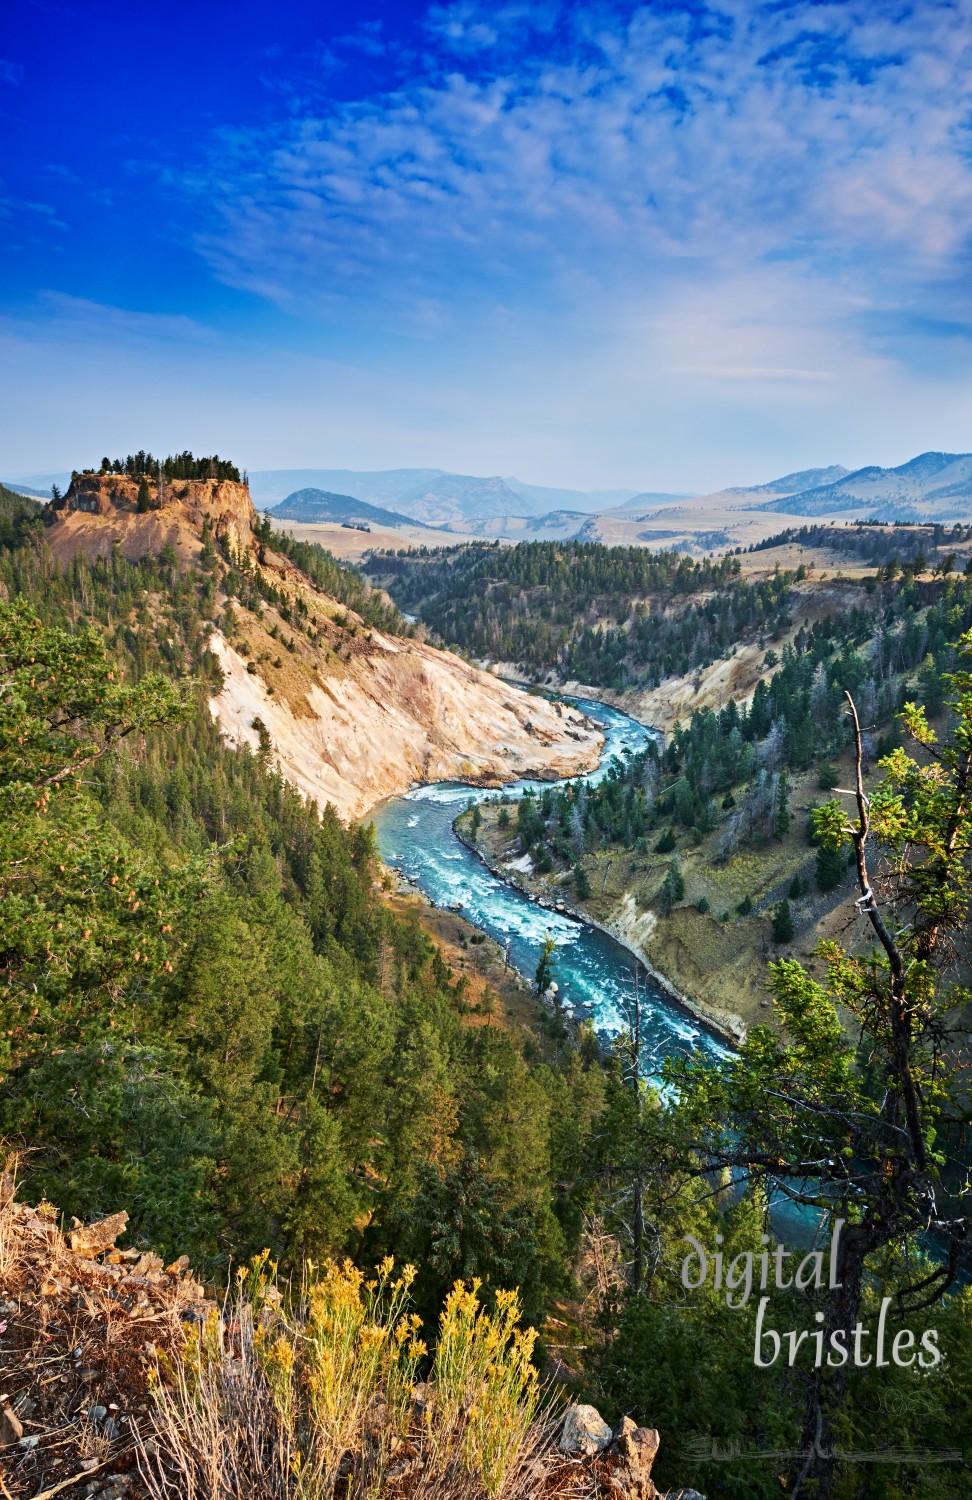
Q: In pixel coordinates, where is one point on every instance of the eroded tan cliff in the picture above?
(401, 714)
(353, 715)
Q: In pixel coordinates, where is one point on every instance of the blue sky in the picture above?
(665, 246)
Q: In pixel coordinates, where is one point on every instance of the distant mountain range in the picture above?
(309, 505)
(37, 485)
(647, 500)
(792, 484)
(932, 486)
(434, 496)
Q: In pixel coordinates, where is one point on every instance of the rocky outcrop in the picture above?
(100, 512)
(636, 1448)
(81, 1324)
(622, 1459)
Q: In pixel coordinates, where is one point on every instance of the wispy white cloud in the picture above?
(668, 246)
(612, 159)
(78, 316)
(757, 372)
(12, 207)
(367, 39)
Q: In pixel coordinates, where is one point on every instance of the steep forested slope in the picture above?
(610, 616)
(208, 1016)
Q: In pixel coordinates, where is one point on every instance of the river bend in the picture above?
(594, 973)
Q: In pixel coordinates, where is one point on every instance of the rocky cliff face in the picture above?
(396, 714)
(353, 715)
(101, 511)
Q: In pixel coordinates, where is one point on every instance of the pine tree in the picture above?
(781, 822)
(673, 889)
(782, 922)
(545, 972)
(831, 867)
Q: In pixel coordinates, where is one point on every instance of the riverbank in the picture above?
(715, 946)
(494, 992)
(729, 1029)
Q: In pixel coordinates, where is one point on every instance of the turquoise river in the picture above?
(595, 975)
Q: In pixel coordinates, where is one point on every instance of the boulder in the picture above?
(148, 1264)
(636, 1448)
(584, 1431)
(92, 1239)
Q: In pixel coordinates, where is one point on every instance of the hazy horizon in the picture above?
(597, 245)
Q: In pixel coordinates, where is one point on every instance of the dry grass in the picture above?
(10, 1243)
(319, 1401)
(127, 1383)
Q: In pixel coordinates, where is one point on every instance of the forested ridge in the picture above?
(611, 616)
(210, 1018)
(730, 768)
(623, 617)
(893, 547)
